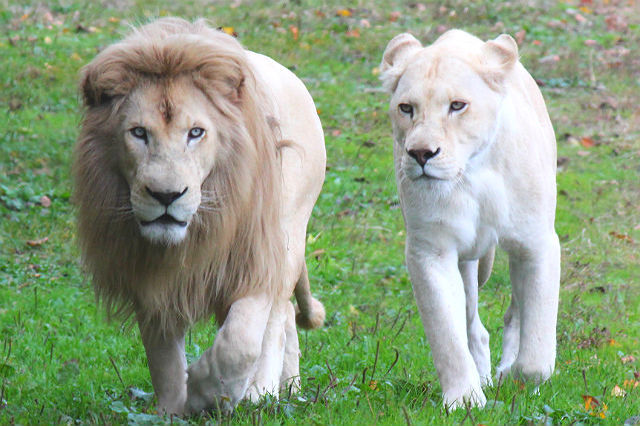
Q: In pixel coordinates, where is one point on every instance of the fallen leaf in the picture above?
(45, 201)
(581, 19)
(630, 384)
(114, 20)
(38, 242)
(394, 16)
(590, 43)
(343, 12)
(537, 42)
(355, 33)
(365, 23)
(75, 56)
(618, 391)
(228, 30)
(627, 359)
(373, 385)
(336, 132)
(586, 10)
(587, 142)
(616, 22)
(294, 31)
(47, 40)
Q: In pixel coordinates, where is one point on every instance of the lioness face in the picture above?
(167, 152)
(443, 114)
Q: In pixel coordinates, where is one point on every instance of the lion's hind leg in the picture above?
(270, 364)
(290, 378)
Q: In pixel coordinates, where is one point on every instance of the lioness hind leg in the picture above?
(510, 340)
(290, 378)
(535, 277)
(477, 334)
(220, 378)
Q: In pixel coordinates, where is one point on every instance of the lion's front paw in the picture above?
(473, 397)
(204, 391)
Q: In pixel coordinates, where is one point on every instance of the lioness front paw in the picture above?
(473, 397)
(535, 373)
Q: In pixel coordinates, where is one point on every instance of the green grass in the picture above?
(60, 362)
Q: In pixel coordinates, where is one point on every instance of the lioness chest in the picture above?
(468, 217)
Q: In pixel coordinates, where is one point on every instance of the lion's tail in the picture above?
(310, 312)
(485, 265)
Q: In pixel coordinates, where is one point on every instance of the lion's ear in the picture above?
(501, 53)
(394, 59)
(106, 77)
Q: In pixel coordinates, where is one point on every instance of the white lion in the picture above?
(475, 162)
(196, 170)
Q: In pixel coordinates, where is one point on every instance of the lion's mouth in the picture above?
(165, 219)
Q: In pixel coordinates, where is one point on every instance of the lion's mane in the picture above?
(235, 245)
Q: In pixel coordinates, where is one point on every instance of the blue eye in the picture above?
(406, 109)
(139, 132)
(457, 106)
(196, 133)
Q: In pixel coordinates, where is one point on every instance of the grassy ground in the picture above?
(60, 362)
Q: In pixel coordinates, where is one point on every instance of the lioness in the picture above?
(475, 162)
(196, 169)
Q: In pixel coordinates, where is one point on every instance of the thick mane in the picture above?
(235, 244)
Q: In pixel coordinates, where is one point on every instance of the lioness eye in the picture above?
(406, 109)
(457, 105)
(139, 132)
(196, 133)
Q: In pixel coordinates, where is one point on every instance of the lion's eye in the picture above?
(457, 106)
(139, 132)
(195, 133)
(406, 109)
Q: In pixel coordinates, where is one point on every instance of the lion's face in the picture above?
(445, 101)
(167, 151)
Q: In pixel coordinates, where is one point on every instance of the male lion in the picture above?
(475, 162)
(196, 170)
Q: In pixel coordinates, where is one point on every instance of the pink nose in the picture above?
(422, 155)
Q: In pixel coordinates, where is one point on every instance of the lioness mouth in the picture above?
(165, 219)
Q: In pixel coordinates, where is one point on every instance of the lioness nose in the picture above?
(422, 155)
(165, 198)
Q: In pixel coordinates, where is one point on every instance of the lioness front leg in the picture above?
(220, 378)
(439, 292)
(478, 336)
(535, 278)
(167, 365)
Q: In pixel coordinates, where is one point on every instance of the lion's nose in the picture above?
(165, 198)
(422, 155)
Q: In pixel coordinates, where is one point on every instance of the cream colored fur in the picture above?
(196, 170)
(475, 162)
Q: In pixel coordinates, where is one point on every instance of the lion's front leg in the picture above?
(220, 378)
(167, 365)
(535, 278)
(439, 292)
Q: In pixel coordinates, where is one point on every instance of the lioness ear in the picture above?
(394, 58)
(501, 53)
